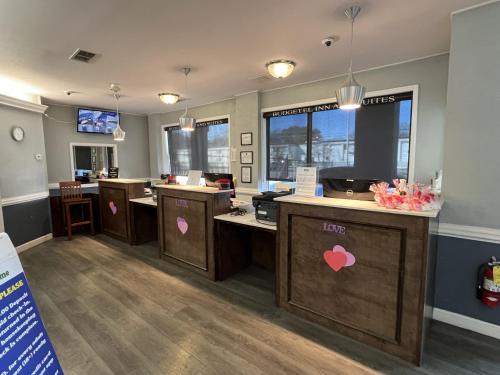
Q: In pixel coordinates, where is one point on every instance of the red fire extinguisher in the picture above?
(488, 291)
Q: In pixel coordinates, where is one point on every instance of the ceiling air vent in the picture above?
(81, 55)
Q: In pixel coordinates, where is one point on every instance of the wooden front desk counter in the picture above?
(186, 225)
(114, 196)
(381, 299)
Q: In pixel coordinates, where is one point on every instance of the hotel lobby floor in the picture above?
(111, 308)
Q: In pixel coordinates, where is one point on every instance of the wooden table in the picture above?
(385, 297)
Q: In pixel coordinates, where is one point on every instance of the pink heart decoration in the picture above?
(182, 225)
(339, 257)
(113, 208)
(335, 260)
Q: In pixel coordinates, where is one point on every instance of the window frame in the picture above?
(397, 90)
(165, 163)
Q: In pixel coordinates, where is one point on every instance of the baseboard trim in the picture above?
(24, 198)
(466, 322)
(469, 232)
(37, 241)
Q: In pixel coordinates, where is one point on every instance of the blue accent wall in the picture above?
(456, 274)
(25, 222)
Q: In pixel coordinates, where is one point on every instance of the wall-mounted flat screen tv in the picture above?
(96, 121)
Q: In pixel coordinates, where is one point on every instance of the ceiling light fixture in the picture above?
(185, 122)
(168, 98)
(350, 95)
(280, 68)
(118, 133)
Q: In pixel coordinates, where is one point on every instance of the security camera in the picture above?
(329, 41)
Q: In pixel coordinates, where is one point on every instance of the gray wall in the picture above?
(471, 158)
(133, 153)
(20, 172)
(430, 74)
(472, 135)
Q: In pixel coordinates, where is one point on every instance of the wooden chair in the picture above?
(71, 195)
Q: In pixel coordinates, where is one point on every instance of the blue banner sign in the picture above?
(25, 347)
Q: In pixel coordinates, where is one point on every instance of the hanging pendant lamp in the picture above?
(185, 122)
(118, 133)
(350, 95)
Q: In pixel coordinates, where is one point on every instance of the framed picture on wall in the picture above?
(246, 157)
(246, 139)
(246, 175)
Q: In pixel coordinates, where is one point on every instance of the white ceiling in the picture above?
(143, 44)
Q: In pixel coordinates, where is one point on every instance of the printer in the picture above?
(266, 209)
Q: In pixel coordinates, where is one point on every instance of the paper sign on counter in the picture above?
(306, 181)
(25, 347)
(194, 178)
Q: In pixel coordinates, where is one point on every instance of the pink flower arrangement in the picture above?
(414, 197)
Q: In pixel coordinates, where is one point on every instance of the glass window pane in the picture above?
(179, 148)
(205, 148)
(218, 148)
(287, 146)
(333, 139)
(404, 138)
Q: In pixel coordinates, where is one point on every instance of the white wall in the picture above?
(472, 137)
(133, 153)
(430, 74)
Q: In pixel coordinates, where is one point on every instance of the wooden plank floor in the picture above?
(110, 308)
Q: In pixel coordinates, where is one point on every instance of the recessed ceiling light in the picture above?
(168, 98)
(280, 68)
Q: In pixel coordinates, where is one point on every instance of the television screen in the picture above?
(96, 121)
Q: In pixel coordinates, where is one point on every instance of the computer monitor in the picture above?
(220, 181)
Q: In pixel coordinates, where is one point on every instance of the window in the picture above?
(287, 146)
(372, 142)
(206, 148)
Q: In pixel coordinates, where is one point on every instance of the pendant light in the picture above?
(350, 95)
(186, 123)
(118, 133)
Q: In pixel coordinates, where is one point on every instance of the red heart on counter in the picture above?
(336, 260)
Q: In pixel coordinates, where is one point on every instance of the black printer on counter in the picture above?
(266, 209)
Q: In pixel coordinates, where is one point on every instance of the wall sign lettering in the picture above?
(182, 225)
(335, 228)
(181, 203)
(113, 207)
(338, 258)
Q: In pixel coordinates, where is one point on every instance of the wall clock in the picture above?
(17, 133)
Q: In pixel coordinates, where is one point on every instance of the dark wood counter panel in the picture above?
(381, 298)
(114, 196)
(186, 225)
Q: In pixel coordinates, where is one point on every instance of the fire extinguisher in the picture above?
(487, 290)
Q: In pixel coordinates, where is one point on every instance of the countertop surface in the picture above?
(121, 180)
(148, 201)
(248, 219)
(354, 205)
(197, 189)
